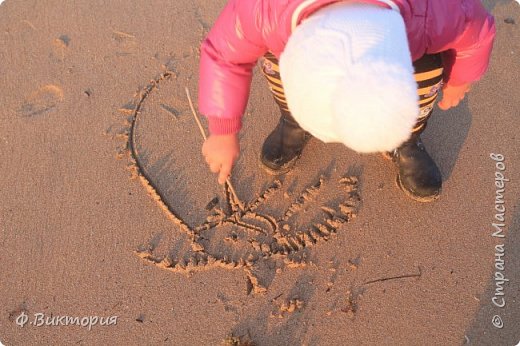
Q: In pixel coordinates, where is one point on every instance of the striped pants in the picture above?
(428, 74)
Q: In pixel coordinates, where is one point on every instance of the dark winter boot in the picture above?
(419, 177)
(283, 147)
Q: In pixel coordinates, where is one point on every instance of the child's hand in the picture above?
(452, 95)
(220, 152)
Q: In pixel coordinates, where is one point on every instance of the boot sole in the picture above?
(281, 171)
(427, 199)
(399, 184)
(289, 166)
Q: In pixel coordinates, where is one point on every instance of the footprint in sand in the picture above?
(42, 101)
(59, 47)
(126, 43)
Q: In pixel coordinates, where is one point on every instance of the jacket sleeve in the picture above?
(228, 55)
(467, 58)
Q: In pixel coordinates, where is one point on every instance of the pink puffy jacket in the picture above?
(246, 29)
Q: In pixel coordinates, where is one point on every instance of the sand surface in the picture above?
(107, 209)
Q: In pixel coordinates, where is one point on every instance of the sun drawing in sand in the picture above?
(240, 236)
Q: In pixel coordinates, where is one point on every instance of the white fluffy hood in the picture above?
(348, 77)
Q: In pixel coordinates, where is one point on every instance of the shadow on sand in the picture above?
(482, 331)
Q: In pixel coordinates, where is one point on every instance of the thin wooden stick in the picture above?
(195, 115)
(228, 180)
